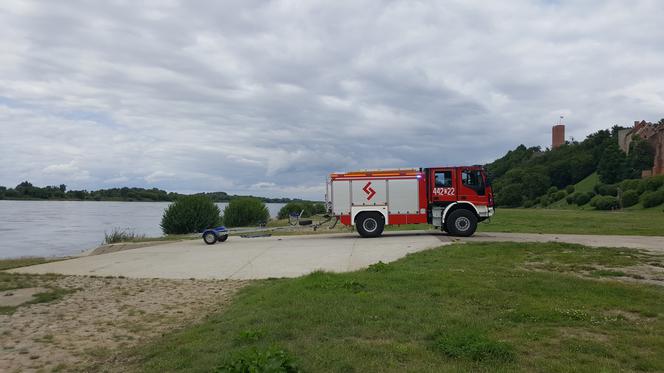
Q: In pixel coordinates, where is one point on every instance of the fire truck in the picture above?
(453, 199)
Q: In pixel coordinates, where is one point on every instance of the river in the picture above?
(59, 228)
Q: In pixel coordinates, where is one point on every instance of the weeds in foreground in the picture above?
(122, 235)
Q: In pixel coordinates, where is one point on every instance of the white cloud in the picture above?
(272, 96)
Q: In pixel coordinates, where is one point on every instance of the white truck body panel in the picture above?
(384, 195)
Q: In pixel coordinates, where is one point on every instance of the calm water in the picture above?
(57, 228)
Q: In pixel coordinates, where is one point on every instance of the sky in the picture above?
(269, 97)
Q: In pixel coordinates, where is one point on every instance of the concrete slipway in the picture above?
(292, 256)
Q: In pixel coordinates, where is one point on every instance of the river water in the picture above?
(58, 228)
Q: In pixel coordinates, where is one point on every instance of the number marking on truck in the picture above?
(444, 191)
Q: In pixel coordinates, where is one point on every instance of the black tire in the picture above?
(370, 224)
(210, 238)
(461, 223)
(222, 238)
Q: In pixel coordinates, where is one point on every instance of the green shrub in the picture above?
(630, 184)
(544, 201)
(604, 202)
(652, 199)
(583, 198)
(190, 214)
(571, 198)
(557, 196)
(651, 184)
(309, 208)
(246, 211)
(630, 198)
(569, 189)
(552, 190)
(606, 189)
(510, 196)
(529, 203)
(254, 361)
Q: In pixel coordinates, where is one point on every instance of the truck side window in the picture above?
(473, 180)
(443, 179)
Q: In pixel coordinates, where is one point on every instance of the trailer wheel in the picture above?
(370, 224)
(222, 238)
(462, 223)
(210, 238)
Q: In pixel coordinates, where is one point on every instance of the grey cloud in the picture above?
(268, 97)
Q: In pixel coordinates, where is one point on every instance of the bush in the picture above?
(271, 360)
(242, 212)
(604, 202)
(310, 209)
(571, 198)
(606, 189)
(652, 199)
(510, 196)
(544, 201)
(552, 190)
(190, 214)
(651, 184)
(529, 203)
(630, 198)
(583, 198)
(557, 196)
(569, 189)
(630, 184)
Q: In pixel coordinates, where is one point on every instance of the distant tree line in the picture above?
(27, 191)
(531, 176)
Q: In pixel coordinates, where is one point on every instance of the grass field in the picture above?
(647, 222)
(475, 307)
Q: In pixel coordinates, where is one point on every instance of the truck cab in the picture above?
(459, 198)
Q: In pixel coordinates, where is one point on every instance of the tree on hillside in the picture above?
(641, 155)
(613, 166)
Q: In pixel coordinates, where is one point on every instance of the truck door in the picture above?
(471, 186)
(442, 186)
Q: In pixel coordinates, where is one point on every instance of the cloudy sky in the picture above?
(267, 97)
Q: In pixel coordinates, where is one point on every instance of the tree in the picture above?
(641, 155)
(245, 211)
(613, 166)
(190, 214)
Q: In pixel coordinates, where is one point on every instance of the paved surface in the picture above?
(292, 256)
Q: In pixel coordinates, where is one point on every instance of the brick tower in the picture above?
(557, 135)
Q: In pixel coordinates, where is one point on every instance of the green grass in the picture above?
(649, 222)
(489, 307)
(586, 185)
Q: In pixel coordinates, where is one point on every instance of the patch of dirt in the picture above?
(582, 334)
(642, 274)
(103, 315)
(13, 298)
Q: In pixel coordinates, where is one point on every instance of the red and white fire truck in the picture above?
(453, 199)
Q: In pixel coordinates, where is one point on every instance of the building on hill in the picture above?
(654, 134)
(557, 135)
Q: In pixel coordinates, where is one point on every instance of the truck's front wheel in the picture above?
(370, 224)
(462, 223)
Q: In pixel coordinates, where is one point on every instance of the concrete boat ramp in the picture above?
(292, 256)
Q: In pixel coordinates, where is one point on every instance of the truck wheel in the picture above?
(462, 223)
(370, 224)
(210, 238)
(222, 238)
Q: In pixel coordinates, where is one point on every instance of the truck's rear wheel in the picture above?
(370, 224)
(462, 223)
